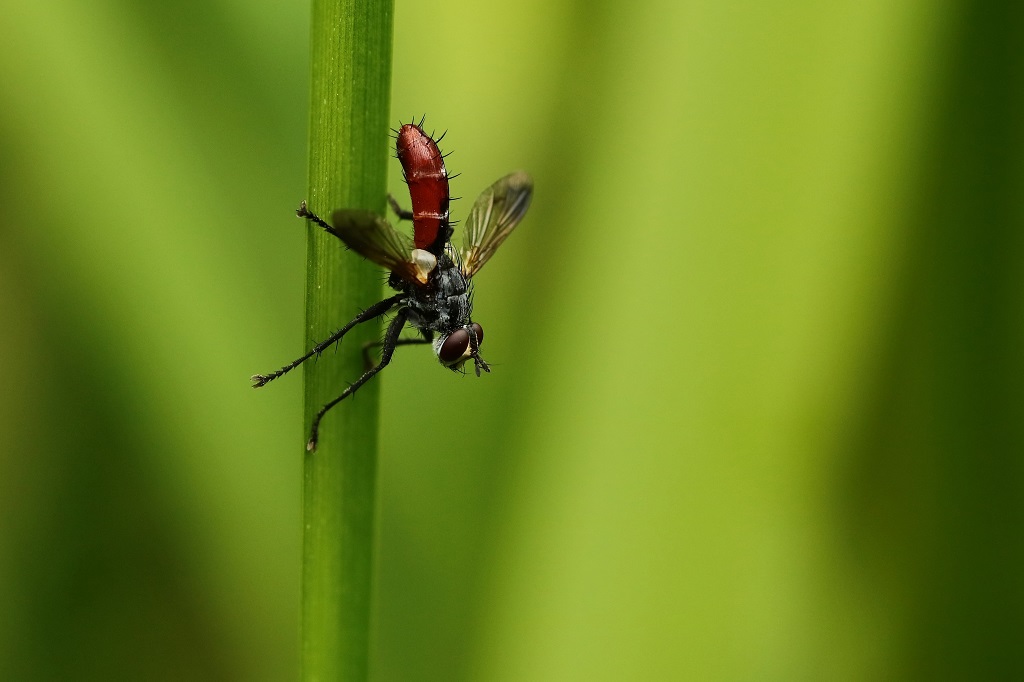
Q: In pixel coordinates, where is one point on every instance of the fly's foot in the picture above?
(479, 364)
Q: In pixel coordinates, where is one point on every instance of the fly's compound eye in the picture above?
(454, 347)
(457, 347)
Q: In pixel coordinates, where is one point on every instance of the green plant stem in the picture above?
(350, 96)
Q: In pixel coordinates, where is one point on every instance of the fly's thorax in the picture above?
(449, 280)
(446, 302)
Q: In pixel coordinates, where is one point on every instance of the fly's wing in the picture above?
(494, 215)
(372, 237)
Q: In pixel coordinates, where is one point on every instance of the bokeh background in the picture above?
(756, 411)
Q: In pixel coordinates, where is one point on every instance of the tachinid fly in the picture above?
(432, 278)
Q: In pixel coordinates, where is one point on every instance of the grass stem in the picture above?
(350, 52)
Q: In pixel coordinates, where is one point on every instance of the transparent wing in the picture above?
(372, 237)
(494, 215)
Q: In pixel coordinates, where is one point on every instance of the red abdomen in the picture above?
(428, 187)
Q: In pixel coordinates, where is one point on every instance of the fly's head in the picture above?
(454, 349)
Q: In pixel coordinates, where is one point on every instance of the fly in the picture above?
(433, 279)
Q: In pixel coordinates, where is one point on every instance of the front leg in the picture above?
(474, 352)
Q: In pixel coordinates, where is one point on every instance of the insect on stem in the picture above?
(432, 278)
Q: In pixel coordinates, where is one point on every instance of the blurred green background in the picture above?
(757, 404)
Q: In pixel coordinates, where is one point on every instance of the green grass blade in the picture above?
(349, 108)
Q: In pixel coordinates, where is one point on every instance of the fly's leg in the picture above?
(374, 311)
(304, 212)
(399, 211)
(428, 337)
(389, 344)
(474, 352)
